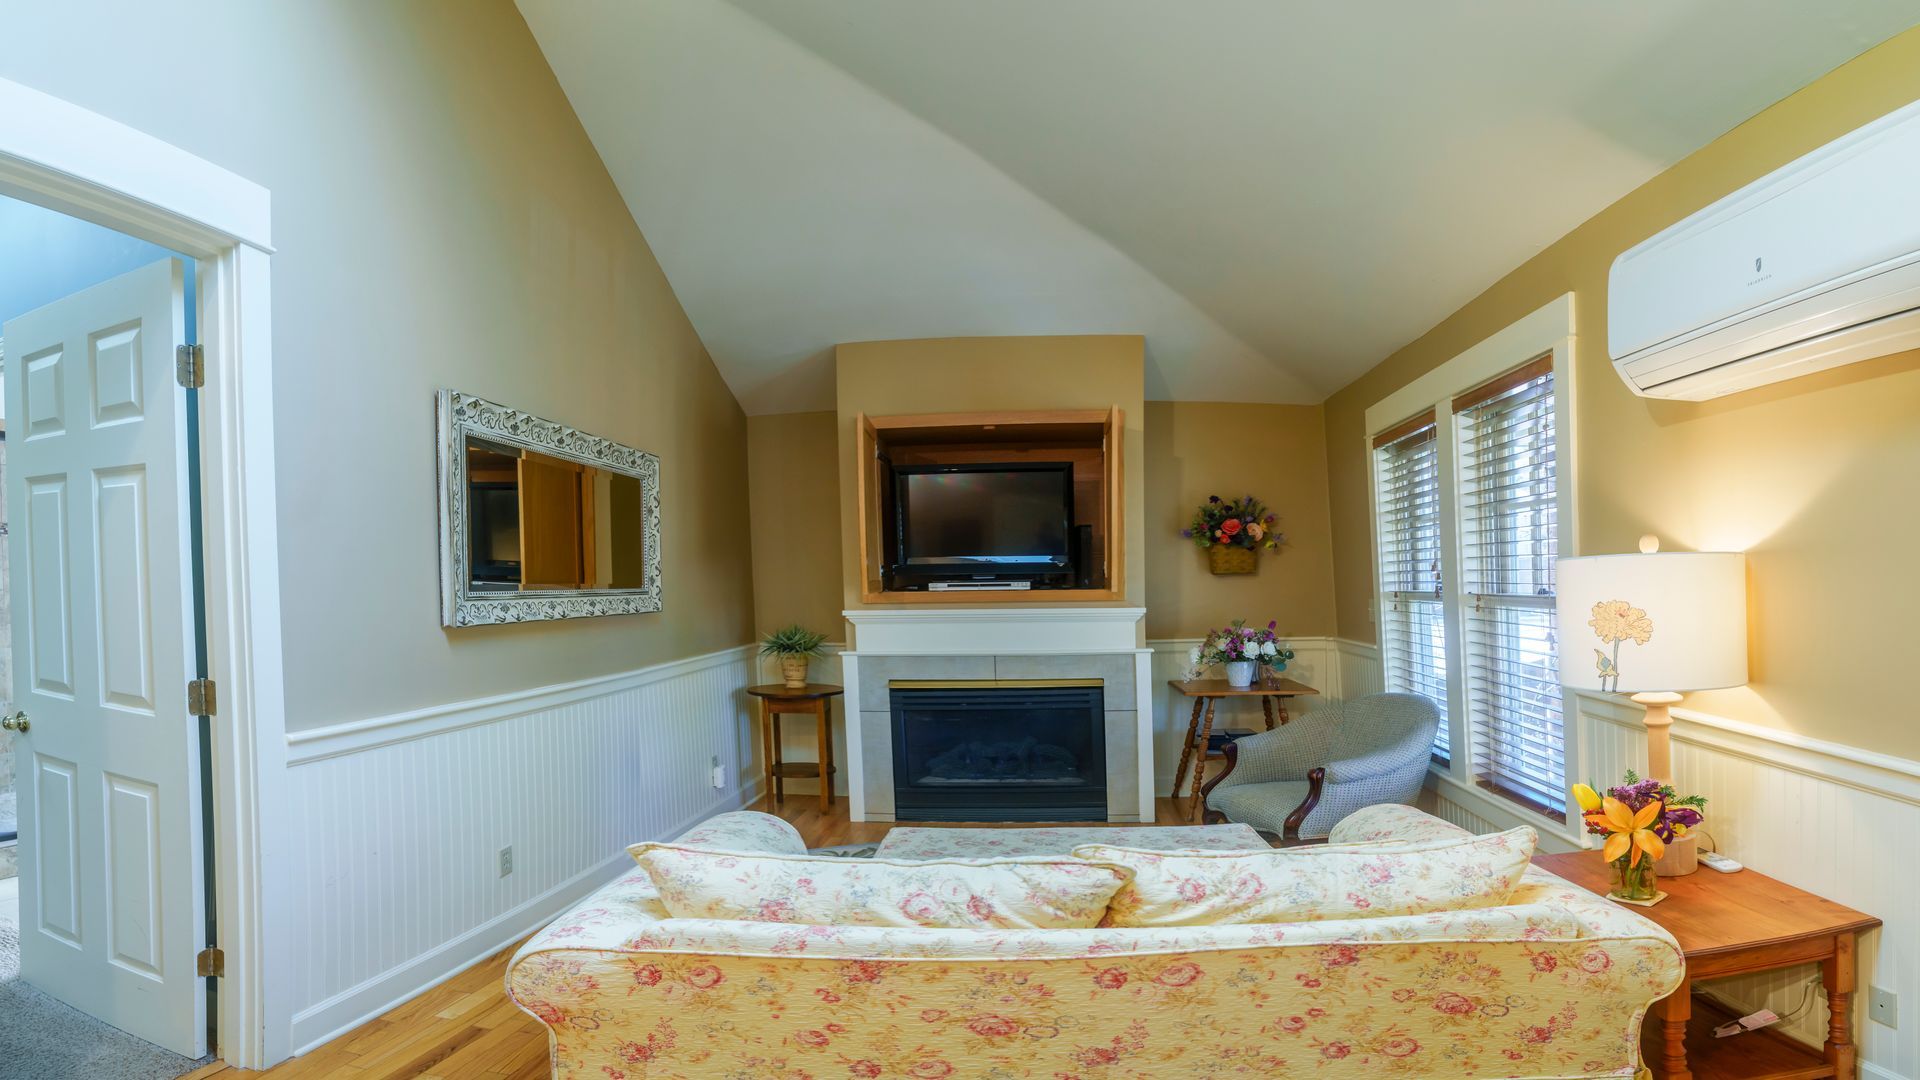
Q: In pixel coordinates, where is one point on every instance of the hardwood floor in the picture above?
(466, 1027)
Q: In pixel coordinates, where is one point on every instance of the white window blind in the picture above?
(1509, 528)
(1413, 624)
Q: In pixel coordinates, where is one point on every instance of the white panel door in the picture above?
(108, 774)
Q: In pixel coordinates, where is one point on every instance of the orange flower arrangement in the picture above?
(1630, 833)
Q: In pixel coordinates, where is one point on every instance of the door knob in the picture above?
(16, 722)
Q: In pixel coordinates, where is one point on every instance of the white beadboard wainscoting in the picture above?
(1316, 662)
(400, 821)
(1831, 819)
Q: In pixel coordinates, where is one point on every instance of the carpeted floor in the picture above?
(41, 1039)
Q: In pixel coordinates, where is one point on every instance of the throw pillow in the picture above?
(1038, 893)
(1308, 884)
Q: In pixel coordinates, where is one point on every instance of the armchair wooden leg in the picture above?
(1211, 816)
(1315, 778)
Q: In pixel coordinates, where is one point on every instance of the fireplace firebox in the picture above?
(999, 752)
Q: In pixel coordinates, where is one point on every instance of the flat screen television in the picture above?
(992, 522)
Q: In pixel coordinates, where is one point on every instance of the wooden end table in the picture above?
(1273, 693)
(813, 699)
(1735, 924)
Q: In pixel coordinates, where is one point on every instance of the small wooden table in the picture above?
(1273, 693)
(815, 699)
(1734, 924)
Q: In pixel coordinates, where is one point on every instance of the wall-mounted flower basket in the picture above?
(1232, 533)
(1222, 559)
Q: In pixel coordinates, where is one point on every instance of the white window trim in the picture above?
(1547, 330)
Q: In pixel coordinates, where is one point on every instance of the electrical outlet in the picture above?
(1883, 1006)
(506, 860)
(719, 773)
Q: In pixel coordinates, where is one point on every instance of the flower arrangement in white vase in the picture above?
(1245, 652)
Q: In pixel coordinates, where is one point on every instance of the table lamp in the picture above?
(1653, 625)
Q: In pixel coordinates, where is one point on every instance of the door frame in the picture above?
(69, 159)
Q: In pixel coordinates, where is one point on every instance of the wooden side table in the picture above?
(1735, 924)
(816, 700)
(1273, 694)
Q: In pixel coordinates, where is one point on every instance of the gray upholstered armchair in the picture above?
(1301, 779)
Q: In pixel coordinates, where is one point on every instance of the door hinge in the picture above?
(201, 699)
(211, 963)
(190, 366)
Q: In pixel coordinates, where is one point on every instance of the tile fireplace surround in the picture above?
(968, 644)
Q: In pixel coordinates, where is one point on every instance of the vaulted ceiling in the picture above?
(1276, 193)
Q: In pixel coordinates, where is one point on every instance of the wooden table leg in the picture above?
(821, 711)
(1837, 974)
(1266, 709)
(1672, 1013)
(1186, 747)
(1200, 762)
(779, 782)
(766, 742)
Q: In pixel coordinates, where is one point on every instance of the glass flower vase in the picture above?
(1637, 881)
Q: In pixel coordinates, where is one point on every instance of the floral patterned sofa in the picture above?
(1554, 984)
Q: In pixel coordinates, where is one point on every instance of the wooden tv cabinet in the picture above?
(1089, 438)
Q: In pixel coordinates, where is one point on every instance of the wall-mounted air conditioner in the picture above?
(1811, 267)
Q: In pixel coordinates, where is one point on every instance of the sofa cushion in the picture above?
(1307, 884)
(745, 830)
(959, 894)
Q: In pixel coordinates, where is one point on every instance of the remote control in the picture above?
(1713, 860)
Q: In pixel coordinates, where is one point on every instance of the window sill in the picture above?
(1554, 835)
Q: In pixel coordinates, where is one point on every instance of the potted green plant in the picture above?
(795, 645)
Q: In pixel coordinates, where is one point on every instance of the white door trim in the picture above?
(61, 156)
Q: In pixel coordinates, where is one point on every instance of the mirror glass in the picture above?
(536, 521)
(539, 520)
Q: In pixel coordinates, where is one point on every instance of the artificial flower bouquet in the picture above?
(1244, 523)
(1639, 818)
(1239, 644)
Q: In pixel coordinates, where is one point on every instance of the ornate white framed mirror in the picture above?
(541, 521)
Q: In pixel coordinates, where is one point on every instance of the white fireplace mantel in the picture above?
(972, 631)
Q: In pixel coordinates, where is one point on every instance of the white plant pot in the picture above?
(1241, 672)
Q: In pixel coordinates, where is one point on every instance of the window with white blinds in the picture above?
(1509, 529)
(1407, 517)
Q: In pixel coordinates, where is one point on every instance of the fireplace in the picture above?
(999, 752)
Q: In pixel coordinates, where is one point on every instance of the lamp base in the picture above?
(1659, 719)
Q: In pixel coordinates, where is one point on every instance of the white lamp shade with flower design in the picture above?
(1653, 625)
(1664, 622)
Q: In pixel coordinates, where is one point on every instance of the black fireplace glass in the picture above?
(1020, 753)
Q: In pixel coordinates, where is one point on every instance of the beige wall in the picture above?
(441, 220)
(1277, 453)
(793, 469)
(1190, 450)
(1813, 478)
(933, 375)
